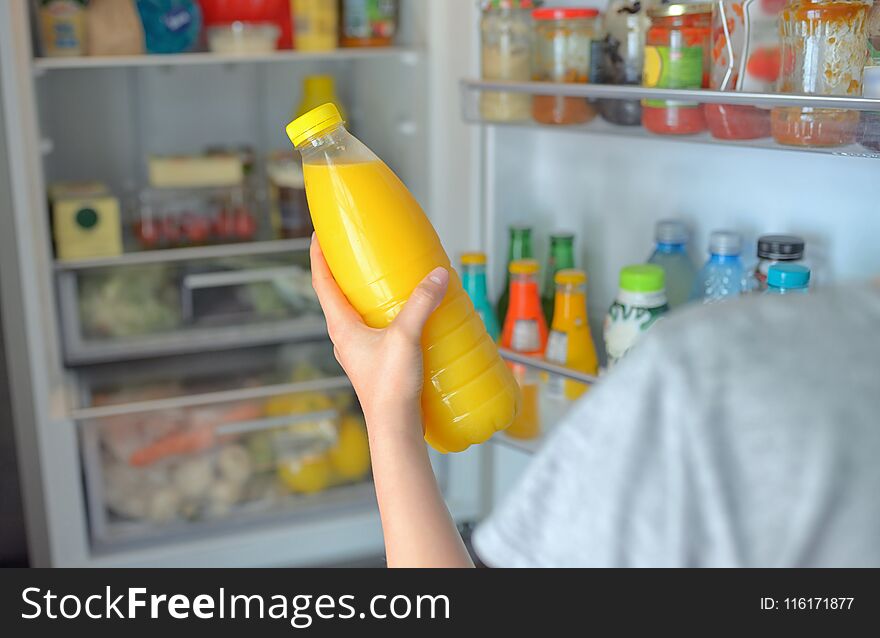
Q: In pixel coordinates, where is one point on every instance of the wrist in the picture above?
(399, 421)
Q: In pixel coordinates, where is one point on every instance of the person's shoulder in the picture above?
(757, 321)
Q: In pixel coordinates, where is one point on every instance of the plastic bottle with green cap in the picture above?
(788, 279)
(380, 245)
(640, 302)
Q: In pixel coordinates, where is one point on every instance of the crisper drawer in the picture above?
(132, 308)
(160, 464)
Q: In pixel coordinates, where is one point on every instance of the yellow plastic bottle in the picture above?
(570, 343)
(379, 245)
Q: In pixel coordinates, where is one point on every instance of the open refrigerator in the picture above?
(417, 105)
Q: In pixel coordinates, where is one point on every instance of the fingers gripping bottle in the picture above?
(379, 246)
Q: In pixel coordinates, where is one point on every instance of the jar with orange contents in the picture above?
(677, 56)
(562, 51)
(824, 50)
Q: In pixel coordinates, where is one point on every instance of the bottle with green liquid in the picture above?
(520, 248)
(561, 258)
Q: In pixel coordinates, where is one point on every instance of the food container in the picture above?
(745, 57)
(289, 208)
(368, 23)
(677, 57)
(316, 24)
(824, 50)
(626, 24)
(182, 453)
(243, 38)
(63, 27)
(562, 49)
(86, 221)
(505, 31)
(276, 12)
(179, 217)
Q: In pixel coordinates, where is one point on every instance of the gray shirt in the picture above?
(738, 434)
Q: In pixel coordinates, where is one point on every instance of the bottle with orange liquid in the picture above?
(379, 246)
(525, 331)
(570, 343)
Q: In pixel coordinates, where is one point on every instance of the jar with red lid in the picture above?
(677, 56)
(562, 49)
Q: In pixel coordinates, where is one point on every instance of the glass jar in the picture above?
(626, 24)
(505, 31)
(824, 50)
(563, 45)
(368, 23)
(677, 56)
(744, 40)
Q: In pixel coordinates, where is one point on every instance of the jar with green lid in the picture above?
(505, 31)
(640, 302)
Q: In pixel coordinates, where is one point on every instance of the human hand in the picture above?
(384, 366)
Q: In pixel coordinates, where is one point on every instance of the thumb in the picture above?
(422, 302)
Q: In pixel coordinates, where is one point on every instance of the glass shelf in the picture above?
(41, 64)
(848, 126)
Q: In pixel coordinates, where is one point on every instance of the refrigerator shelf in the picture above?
(858, 132)
(41, 64)
(141, 258)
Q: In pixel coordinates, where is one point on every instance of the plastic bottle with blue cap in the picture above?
(788, 279)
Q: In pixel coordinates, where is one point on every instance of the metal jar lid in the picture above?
(781, 247)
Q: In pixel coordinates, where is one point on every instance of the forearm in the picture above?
(419, 532)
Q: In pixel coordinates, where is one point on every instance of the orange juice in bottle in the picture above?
(525, 331)
(570, 343)
(379, 246)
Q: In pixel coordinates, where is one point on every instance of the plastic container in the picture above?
(626, 25)
(473, 280)
(640, 302)
(63, 28)
(775, 249)
(723, 276)
(525, 331)
(788, 279)
(276, 12)
(243, 38)
(505, 34)
(561, 258)
(745, 57)
(379, 245)
(570, 343)
(562, 48)
(824, 53)
(677, 57)
(671, 254)
(520, 248)
(316, 25)
(368, 23)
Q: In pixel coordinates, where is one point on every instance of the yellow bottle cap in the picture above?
(524, 267)
(473, 259)
(571, 277)
(313, 123)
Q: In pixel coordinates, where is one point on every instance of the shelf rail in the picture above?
(623, 92)
(546, 366)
